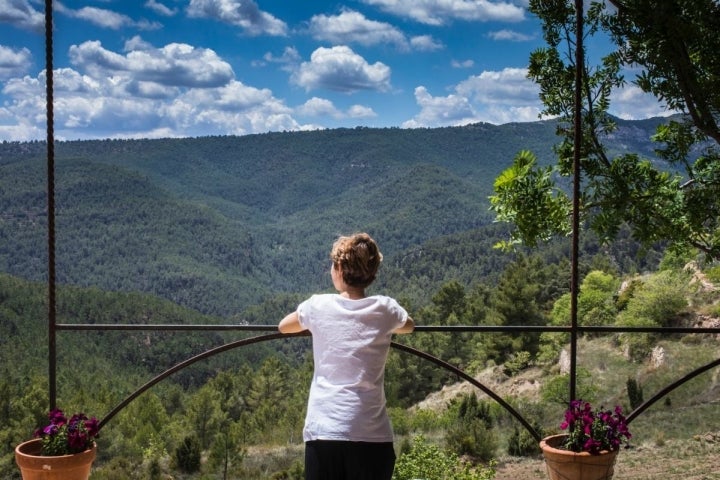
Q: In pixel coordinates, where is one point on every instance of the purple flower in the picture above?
(62, 437)
(594, 431)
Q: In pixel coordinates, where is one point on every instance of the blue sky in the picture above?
(178, 68)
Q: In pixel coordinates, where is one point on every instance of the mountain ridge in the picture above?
(219, 224)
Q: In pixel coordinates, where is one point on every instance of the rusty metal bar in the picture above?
(575, 244)
(52, 303)
(418, 328)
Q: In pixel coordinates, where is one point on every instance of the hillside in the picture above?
(219, 224)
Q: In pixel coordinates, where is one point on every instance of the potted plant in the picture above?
(63, 449)
(589, 448)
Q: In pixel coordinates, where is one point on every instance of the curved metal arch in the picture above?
(273, 336)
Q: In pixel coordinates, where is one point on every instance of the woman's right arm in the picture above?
(290, 324)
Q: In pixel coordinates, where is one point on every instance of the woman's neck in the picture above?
(353, 293)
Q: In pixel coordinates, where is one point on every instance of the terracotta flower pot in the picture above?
(568, 465)
(34, 466)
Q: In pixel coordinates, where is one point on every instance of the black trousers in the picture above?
(339, 460)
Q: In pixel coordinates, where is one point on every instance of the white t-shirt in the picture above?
(351, 340)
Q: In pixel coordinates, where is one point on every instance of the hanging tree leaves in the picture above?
(675, 44)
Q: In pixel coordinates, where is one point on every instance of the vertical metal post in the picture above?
(577, 142)
(52, 313)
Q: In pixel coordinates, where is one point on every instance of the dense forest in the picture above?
(223, 223)
(237, 230)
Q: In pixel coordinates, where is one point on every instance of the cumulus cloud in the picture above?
(322, 107)
(507, 95)
(436, 111)
(493, 96)
(631, 103)
(242, 13)
(462, 64)
(340, 69)
(160, 8)
(432, 12)
(507, 86)
(21, 14)
(175, 64)
(14, 62)
(352, 27)
(510, 35)
(176, 90)
(105, 18)
(318, 107)
(361, 111)
(425, 43)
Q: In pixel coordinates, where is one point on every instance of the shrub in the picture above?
(471, 431)
(522, 444)
(427, 461)
(635, 393)
(187, 455)
(516, 363)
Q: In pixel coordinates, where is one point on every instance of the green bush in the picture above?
(187, 455)
(635, 393)
(471, 431)
(522, 444)
(517, 363)
(429, 462)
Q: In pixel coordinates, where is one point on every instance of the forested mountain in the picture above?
(238, 229)
(219, 224)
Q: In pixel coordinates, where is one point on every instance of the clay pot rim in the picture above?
(552, 442)
(32, 449)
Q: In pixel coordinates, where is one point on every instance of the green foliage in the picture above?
(656, 303)
(425, 460)
(526, 196)
(634, 392)
(659, 300)
(522, 444)
(557, 389)
(187, 455)
(713, 274)
(516, 363)
(677, 200)
(471, 432)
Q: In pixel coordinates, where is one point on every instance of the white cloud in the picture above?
(425, 43)
(176, 90)
(631, 103)
(352, 27)
(20, 13)
(509, 86)
(105, 18)
(340, 69)
(510, 35)
(175, 64)
(242, 13)
(14, 62)
(289, 59)
(317, 107)
(322, 107)
(507, 95)
(462, 64)
(436, 111)
(493, 96)
(160, 8)
(434, 12)
(361, 111)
